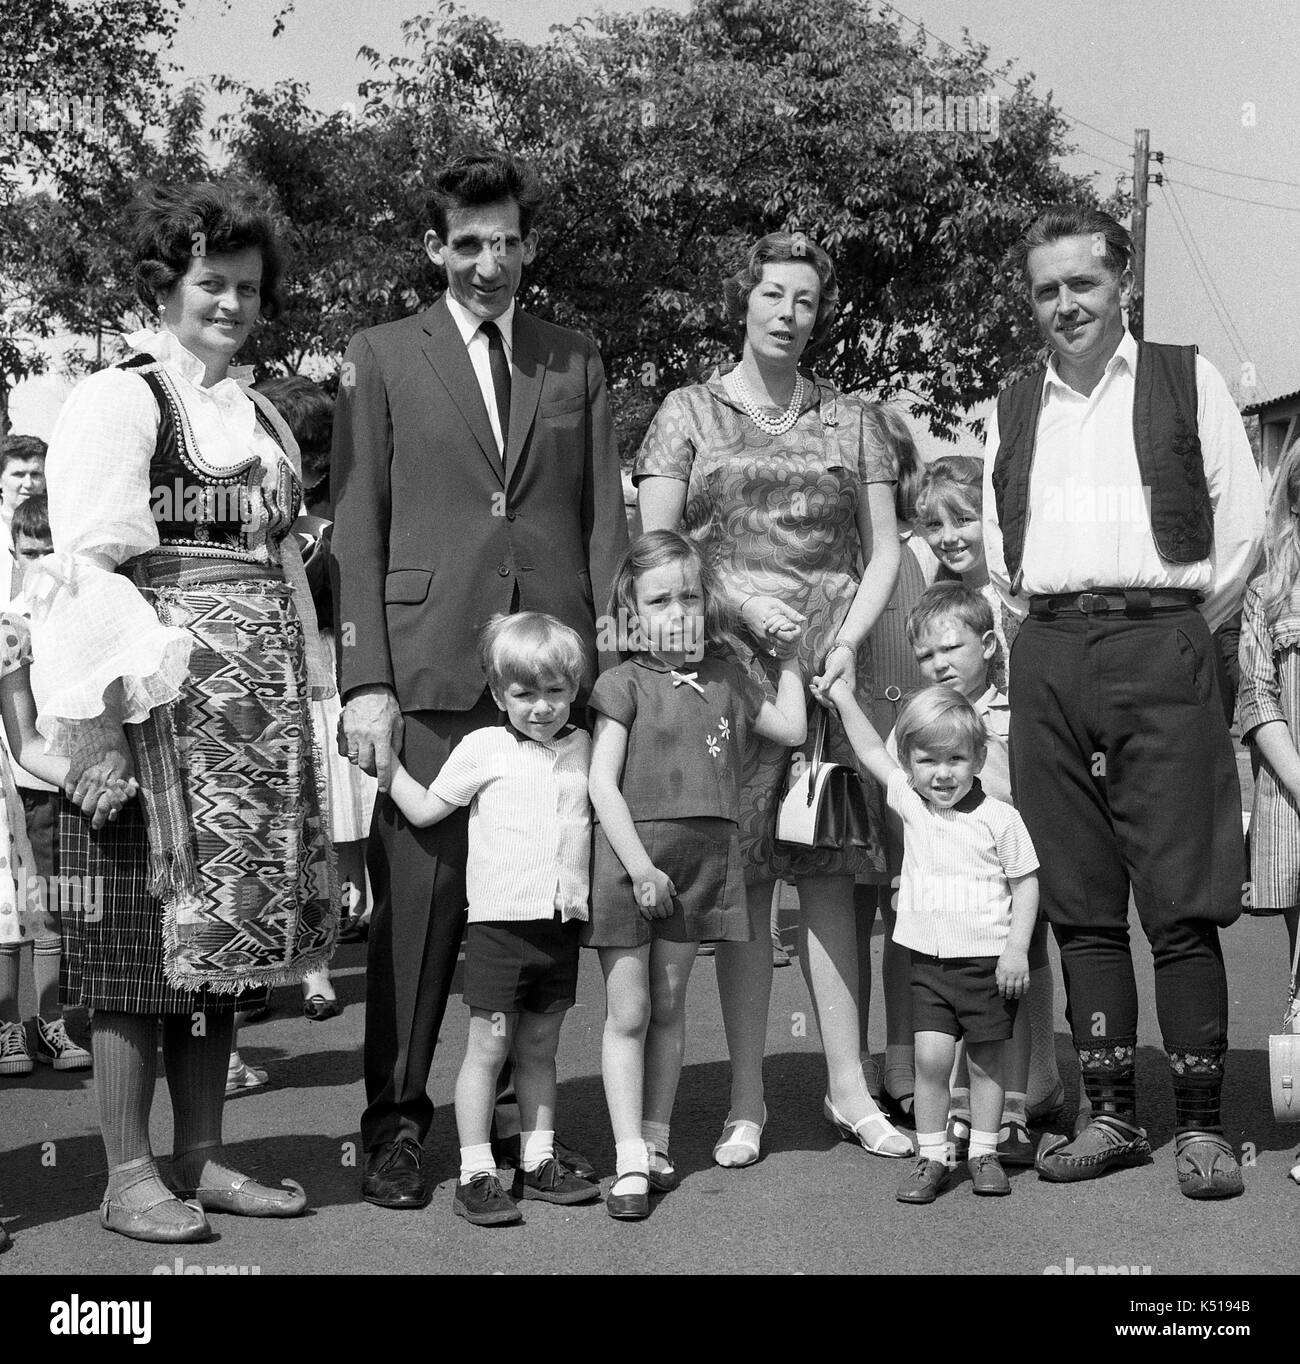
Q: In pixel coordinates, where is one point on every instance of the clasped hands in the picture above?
(101, 784)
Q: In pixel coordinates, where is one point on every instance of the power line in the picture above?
(1238, 175)
(1191, 236)
(1237, 199)
(1215, 296)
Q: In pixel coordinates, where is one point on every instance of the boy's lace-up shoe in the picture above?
(926, 1182)
(484, 1203)
(987, 1176)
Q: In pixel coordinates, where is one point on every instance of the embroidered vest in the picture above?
(198, 509)
(1168, 452)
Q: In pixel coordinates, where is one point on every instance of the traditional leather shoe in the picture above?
(143, 1224)
(926, 1182)
(1107, 1143)
(318, 1008)
(552, 1183)
(987, 1176)
(394, 1180)
(484, 1203)
(628, 1207)
(247, 1198)
(1207, 1166)
(1017, 1147)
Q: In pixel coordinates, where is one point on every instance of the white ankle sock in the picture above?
(933, 1146)
(983, 1144)
(631, 1158)
(476, 1160)
(535, 1147)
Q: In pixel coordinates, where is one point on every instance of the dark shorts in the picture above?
(701, 857)
(527, 967)
(959, 996)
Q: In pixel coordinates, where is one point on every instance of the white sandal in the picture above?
(856, 1132)
(743, 1135)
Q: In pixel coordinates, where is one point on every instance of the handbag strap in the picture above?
(819, 743)
(1295, 967)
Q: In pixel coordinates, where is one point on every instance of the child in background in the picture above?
(30, 532)
(1269, 710)
(672, 721)
(967, 903)
(26, 900)
(895, 675)
(527, 883)
(949, 510)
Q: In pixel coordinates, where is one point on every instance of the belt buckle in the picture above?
(1092, 603)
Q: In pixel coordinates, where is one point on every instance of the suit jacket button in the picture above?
(503, 571)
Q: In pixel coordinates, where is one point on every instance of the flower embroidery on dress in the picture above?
(724, 728)
(714, 747)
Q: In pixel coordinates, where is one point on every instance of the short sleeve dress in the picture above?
(777, 515)
(19, 907)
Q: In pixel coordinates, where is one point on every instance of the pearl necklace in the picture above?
(774, 426)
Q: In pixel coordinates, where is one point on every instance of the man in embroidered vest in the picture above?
(475, 472)
(1123, 513)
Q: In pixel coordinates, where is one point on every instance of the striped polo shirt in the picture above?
(529, 822)
(954, 897)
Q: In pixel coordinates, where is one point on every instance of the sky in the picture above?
(1214, 83)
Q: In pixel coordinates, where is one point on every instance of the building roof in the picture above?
(1257, 409)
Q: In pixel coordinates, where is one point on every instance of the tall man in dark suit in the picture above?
(475, 472)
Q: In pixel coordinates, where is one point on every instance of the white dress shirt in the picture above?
(1089, 519)
(477, 344)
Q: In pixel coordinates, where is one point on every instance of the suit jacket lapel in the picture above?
(446, 352)
(528, 369)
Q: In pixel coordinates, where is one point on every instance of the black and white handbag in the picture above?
(824, 805)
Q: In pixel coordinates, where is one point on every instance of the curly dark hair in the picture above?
(485, 178)
(772, 249)
(174, 223)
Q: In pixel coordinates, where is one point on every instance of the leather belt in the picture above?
(1122, 601)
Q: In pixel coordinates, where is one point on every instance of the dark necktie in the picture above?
(500, 367)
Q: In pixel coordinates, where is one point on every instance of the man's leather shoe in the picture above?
(394, 1179)
(1207, 1166)
(1107, 1143)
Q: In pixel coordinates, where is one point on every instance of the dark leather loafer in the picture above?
(394, 1179)
(987, 1176)
(551, 1182)
(1106, 1143)
(1207, 1166)
(926, 1182)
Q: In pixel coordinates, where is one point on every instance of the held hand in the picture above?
(371, 732)
(90, 770)
(1013, 974)
(771, 620)
(654, 893)
(111, 800)
(840, 663)
(832, 695)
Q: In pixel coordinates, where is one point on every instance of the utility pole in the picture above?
(1141, 154)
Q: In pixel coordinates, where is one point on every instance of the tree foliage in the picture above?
(669, 142)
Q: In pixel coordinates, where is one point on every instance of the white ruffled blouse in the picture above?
(90, 626)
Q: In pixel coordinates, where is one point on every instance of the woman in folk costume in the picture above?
(173, 628)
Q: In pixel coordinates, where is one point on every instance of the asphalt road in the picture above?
(812, 1205)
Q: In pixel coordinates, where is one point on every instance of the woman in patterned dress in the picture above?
(172, 627)
(783, 483)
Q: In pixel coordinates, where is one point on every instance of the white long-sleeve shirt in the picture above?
(1089, 520)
